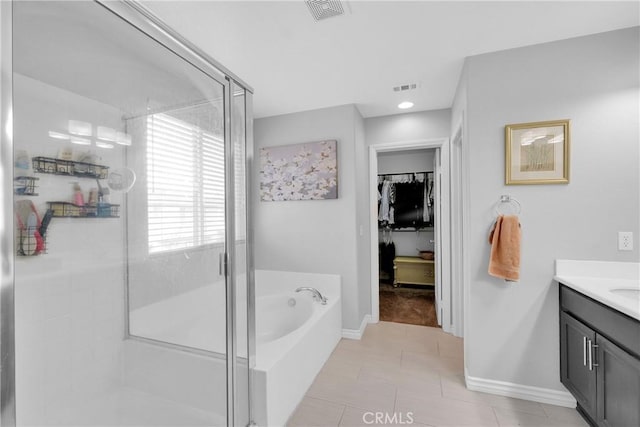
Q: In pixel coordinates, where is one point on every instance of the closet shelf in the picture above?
(406, 230)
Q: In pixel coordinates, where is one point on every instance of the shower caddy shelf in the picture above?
(29, 247)
(54, 166)
(69, 168)
(71, 210)
(25, 186)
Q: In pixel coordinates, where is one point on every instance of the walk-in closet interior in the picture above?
(126, 266)
(406, 219)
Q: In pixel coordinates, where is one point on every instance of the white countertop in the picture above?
(596, 279)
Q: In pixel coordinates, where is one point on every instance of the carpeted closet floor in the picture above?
(408, 304)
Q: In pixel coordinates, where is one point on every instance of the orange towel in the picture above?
(505, 248)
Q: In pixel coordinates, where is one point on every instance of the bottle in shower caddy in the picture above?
(93, 197)
(103, 206)
(78, 198)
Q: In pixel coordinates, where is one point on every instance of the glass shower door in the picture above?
(123, 227)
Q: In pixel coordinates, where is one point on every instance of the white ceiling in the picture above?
(78, 47)
(296, 64)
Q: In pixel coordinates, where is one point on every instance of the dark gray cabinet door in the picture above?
(576, 370)
(618, 386)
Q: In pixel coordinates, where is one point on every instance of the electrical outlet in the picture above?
(625, 241)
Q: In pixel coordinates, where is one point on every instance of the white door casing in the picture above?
(443, 254)
(437, 235)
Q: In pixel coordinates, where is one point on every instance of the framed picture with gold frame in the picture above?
(537, 153)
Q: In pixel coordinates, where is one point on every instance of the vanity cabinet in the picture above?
(600, 360)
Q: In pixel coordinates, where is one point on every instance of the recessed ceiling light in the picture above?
(405, 105)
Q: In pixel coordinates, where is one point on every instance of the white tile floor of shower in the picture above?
(397, 369)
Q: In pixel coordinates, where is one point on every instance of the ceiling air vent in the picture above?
(323, 9)
(402, 88)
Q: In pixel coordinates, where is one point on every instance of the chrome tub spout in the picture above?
(317, 296)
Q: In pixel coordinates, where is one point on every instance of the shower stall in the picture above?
(124, 158)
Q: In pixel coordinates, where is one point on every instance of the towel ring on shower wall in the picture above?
(508, 201)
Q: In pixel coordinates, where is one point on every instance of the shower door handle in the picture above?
(222, 264)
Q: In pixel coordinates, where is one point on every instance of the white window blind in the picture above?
(239, 152)
(185, 172)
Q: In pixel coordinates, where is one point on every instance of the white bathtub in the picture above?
(286, 367)
(294, 337)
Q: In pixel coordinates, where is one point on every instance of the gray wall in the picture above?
(406, 161)
(362, 218)
(315, 236)
(408, 127)
(512, 331)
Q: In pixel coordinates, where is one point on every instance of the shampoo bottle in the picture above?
(78, 198)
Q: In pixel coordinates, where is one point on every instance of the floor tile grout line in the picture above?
(495, 415)
(545, 411)
(441, 386)
(395, 401)
(344, 409)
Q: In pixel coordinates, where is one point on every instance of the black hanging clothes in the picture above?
(387, 252)
(409, 204)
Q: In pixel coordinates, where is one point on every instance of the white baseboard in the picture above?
(519, 391)
(356, 334)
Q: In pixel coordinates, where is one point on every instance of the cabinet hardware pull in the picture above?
(590, 355)
(584, 351)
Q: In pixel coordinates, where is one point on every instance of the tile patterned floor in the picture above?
(412, 373)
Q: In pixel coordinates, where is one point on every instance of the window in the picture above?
(185, 195)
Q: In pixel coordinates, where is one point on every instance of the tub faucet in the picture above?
(317, 296)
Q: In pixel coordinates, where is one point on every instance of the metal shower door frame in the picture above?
(7, 310)
(142, 19)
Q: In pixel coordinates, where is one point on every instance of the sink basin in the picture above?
(630, 293)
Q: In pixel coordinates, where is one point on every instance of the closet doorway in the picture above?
(406, 237)
(409, 233)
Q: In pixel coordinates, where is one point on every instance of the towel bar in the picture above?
(506, 199)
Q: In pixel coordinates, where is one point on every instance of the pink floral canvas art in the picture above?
(306, 171)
